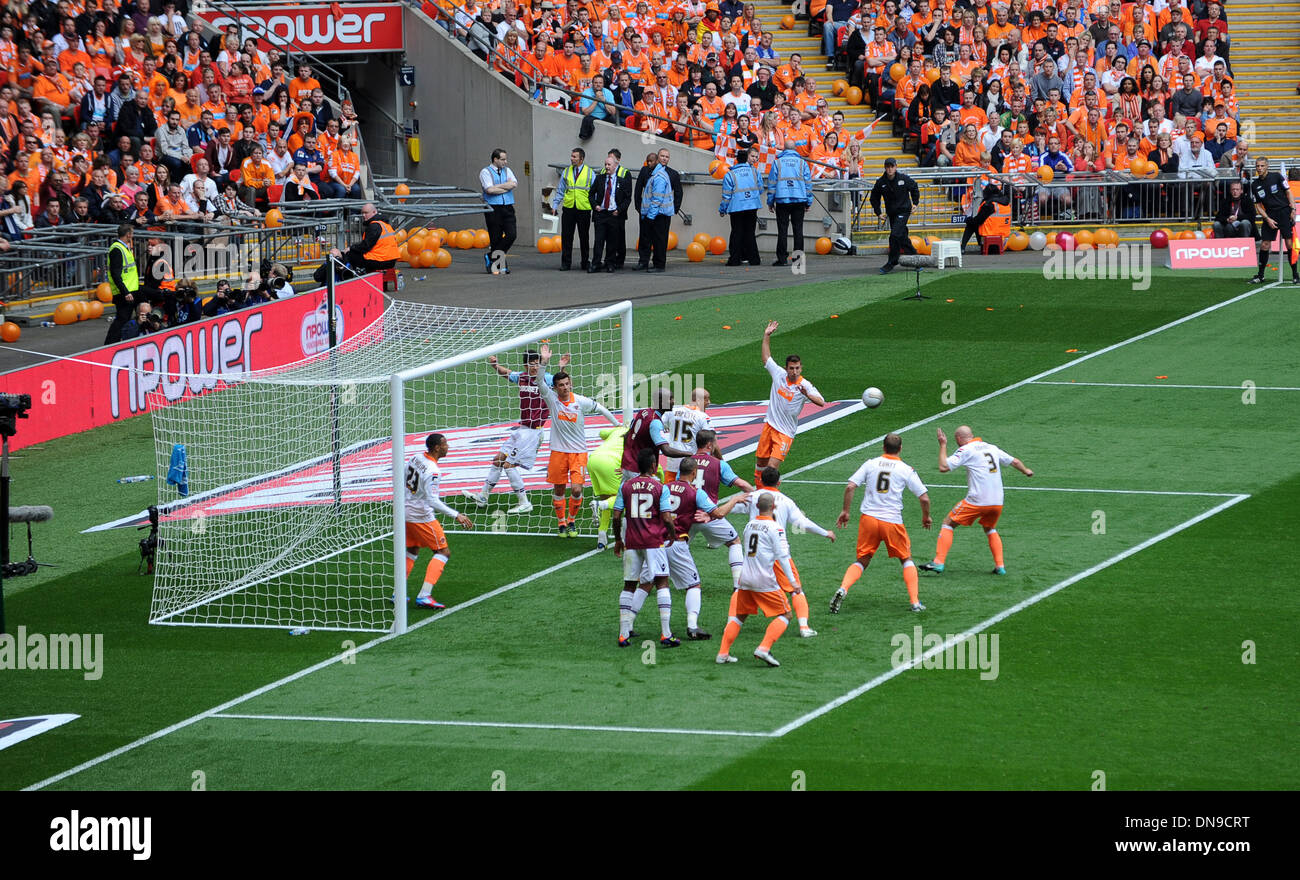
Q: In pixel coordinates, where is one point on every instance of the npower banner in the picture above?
(106, 385)
(319, 29)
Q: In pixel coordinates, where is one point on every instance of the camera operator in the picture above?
(221, 302)
(182, 304)
(143, 322)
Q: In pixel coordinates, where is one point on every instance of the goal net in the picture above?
(292, 512)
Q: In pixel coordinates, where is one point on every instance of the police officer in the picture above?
(574, 194)
(741, 194)
(789, 195)
(123, 280)
(1276, 215)
(610, 196)
(657, 215)
(498, 183)
(377, 250)
(901, 195)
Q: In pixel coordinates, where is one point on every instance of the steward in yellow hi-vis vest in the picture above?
(572, 200)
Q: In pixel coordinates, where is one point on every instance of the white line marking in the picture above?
(1038, 489)
(194, 719)
(1001, 616)
(501, 724)
(1034, 378)
(1168, 385)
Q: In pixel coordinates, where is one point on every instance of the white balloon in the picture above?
(1200, 234)
(1038, 241)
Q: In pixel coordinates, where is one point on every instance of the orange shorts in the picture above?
(773, 444)
(964, 514)
(426, 534)
(872, 531)
(783, 581)
(771, 604)
(567, 467)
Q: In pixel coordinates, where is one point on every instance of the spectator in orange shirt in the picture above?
(345, 169)
(301, 85)
(256, 178)
(54, 90)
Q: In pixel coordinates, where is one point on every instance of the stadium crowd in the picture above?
(122, 112)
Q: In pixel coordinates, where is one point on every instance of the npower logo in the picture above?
(1203, 254)
(315, 334)
(376, 28)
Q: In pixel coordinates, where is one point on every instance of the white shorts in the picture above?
(716, 531)
(644, 565)
(520, 448)
(681, 566)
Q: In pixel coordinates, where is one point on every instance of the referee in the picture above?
(1276, 214)
(900, 195)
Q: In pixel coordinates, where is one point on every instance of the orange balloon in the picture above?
(1051, 239)
(401, 190)
(1083, 237)
(557, 243)
(1045, 173)
(465, 239)
(10, 332)
(416, 243)
(481, 240)
(923, 247)
(1153, 170)
(104, 293)
(713, 166)
(839, 87)
(544, 244)
(721, 171)
(425, 258)
(718, 246)
(441, 258)
(1138, 167)
(94, 309)
(787, 22)
(1017, 241)
(897, 71)
(916, 241)
(403, 253)
(695, 252)
(1186, 235)
(672, 241)
(932, 75)
(274, 218)
(66, 313)
(703, 239)
(853, 95)
(400, 235)
(81, 307)
(823, 245)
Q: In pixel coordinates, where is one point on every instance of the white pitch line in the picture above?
(1040, 489)
(1037, 376)
(509, 725)
(1169, 385)
(1001, 616)
(302, 673)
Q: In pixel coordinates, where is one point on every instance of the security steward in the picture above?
(789, 195)
(574, 194)
(742, 193)
(657, 208)
(610, 196)
(377, 250)
(900, 196)
(1276, 214)
(123, 280)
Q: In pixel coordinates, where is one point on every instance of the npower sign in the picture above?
(362, 28)
(1212, 253)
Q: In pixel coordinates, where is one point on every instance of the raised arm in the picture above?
(943, 452)
(496, 365)
(767, 341)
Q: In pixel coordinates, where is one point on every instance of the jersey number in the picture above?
(993, 465)
(882, 482)
(683, 432)
(698, 482)
(753, 545)
(412, 481)
(641, 503)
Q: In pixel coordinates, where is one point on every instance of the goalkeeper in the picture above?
(604, 464)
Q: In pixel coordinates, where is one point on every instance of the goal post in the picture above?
(296, 516)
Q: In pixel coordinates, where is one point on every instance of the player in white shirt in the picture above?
(885, 478)
(983, 462)
(423, 504)
(567, 468)
(765, 548)
(788, 516)
(789, 392)
(682, 425)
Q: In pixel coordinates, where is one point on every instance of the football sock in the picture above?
(558, 504)
(493, 474)
(800, 603)
(625, 615)
(912, 581)
(516, 482)
(432, 573)
(575, 506)
(693, 608)
(736, 558)
(1263, 260)
(729, 635)
(758, 478)
(851, 576)
(638, 599)
(995, 544)
(410, 561)
(774, 630)
(945, 544)
(665, 598)
(605, 516)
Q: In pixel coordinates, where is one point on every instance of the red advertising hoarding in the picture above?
(109, 384)
(1212, 253)
(319, 29)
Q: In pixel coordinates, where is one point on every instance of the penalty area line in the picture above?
(1041, 489)
(1170, 385)
(302, 673)
(507, 725)
(1001, 616)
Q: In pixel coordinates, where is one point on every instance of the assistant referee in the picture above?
(1276, 213)
(900, 195)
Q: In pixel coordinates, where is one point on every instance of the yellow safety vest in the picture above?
(576, 191)
(130, 277)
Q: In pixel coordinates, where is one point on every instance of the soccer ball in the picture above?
(872, 398)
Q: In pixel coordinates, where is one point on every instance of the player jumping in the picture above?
(641, 545)
(983, 501)
(519, 452)
(885, 478)
(423, 504)
(710, 473)
(789, 391)
(682, 425)
(567, 467)
(645, 430)
(766, 550)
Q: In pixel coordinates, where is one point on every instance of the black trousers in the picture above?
(571, 219)
(610, 239)
(743, 245)
(898, 240)
(974, 223)
(788, 213)
(659, 239)
(645, 241)
(500, 222)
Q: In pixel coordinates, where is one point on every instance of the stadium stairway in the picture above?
(1265, 55)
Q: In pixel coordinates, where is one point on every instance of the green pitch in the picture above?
(1148, 556)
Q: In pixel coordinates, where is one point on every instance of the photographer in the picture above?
(182, 304)
(221, 302)
(143, 322)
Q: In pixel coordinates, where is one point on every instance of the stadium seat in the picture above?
(943, 250)
(993, 244)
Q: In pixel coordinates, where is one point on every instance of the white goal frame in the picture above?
(396, 392)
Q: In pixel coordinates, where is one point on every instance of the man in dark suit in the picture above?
(611, 193)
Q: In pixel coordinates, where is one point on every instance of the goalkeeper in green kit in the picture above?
(605, 466)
